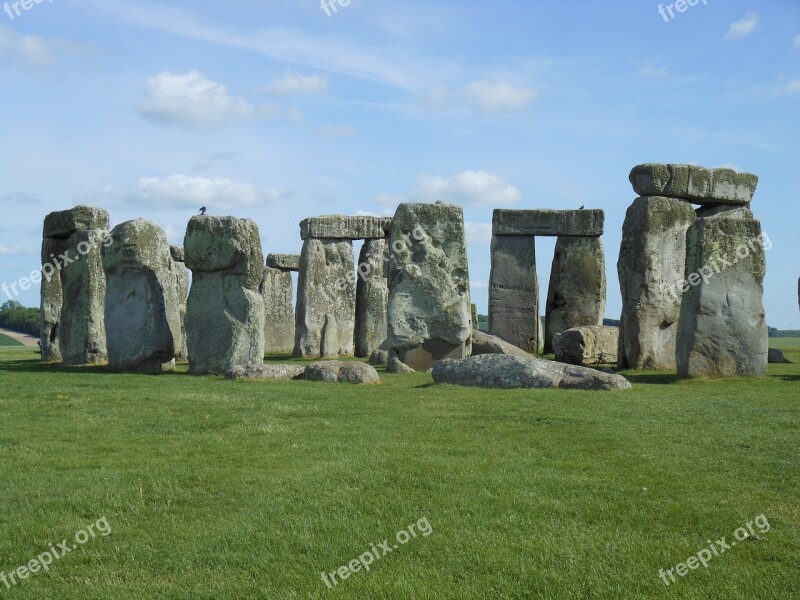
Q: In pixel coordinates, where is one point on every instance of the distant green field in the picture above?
(7, 341)
(230, 490)
(785, 343)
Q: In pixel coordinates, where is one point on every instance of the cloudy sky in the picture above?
(275, 110)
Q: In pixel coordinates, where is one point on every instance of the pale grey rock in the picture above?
(326, 299)
(379, 357)
(398, 367)
(284, 262)
(334, 371)
(266, 371)
(483, 343)
(691, 182)
(500, 371)
(340, 227)
(650, 268)
(547, 222)
(776, 356)
(727, 211)
(514, 292)
(276, 289)
(52, 298)
(722, 330)
(593, 345)
(182, 282)
(225, 310)
(577, 292)
(82, 335)
(177, 253)
(64, 223)
(429, 297)
(142, 304)
(474, 314)
(372, 297)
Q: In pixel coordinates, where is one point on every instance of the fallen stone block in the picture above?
(266, 371)
(593, 345)
(334, 371)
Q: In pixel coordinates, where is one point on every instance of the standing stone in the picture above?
(182, 286)
(82, 334)
(326, 299)
(723, 330)
(276, 289)
(58, 227)
(142, 303)
(225, 311)
(651, 266)
(429, 295)
(577, 292)
(592, 345)
(372, 297)
(514, 292)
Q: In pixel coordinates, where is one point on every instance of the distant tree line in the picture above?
(15, 316)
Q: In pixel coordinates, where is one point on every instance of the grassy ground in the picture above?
(7, 341)
(217, 489)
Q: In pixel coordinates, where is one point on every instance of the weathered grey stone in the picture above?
(52, 298)
(429, 296)
(326, 299)
(334, 371)
(63, 223)
(548, 222)
(651, 267)
(593, 345)
(698, 184)
(398, 367)
(284, 262)
(727, 211)
(514, 292)
(483, 343)
(577, 292)
(474, 315)
(372, 297)
(82, 336)
(225, 244)
(722, 330)
(225, 311)
(265, 371)
(142, 303)
(276, 289)
(776, 356)
(500, 371)
(182, 278)
(177, 253)
(340, 227)
(379, 357)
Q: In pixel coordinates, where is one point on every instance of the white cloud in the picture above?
(743, 27)
(18, 250)
(499, 96)
(31, 50)
(273, 112)
(337, 131)
(184, 191)
(470, 188)
(294, 84)
(478, 286)
(478, 233)
(190, 101)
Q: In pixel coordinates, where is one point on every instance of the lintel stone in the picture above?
(545, 222)
(340, 227)
(284, 262)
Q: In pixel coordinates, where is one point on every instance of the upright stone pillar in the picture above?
(429, 297)
(326, 299)
(277, 290)
(182, 288)
(225, 311)
(651, 263)
(723, 330)
(372, 297)
(58, 228)
(514, 292)
(142, 304)
(577, 293)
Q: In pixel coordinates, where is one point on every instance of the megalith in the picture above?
(651, 265)
(142, 302)
(372, 297)
(429, 313)
(277, 290)
(182, 279)
(225, 311)
(577, 293)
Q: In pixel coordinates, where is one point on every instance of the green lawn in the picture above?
(218, 489)
(7, 341)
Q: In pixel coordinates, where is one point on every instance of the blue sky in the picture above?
(275, 111)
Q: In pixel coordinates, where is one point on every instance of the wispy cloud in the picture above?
(337, 131)
(652, 69)
(469, 188)
(743, 27)
(797, 41)
(483, 96)
(31, 50)
(17, 250)
(293, 84)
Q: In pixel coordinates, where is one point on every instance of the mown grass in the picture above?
(7, 341)
(218, 489)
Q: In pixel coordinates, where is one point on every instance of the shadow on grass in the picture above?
(36, 366)
(792, 378)
(651, 378)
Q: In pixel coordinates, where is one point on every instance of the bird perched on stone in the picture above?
(203, 210)
(581, 208)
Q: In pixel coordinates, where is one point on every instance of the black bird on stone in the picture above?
(581, 208)
(203, 210)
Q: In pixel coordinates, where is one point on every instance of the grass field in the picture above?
(217, 489)
(7, 341)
